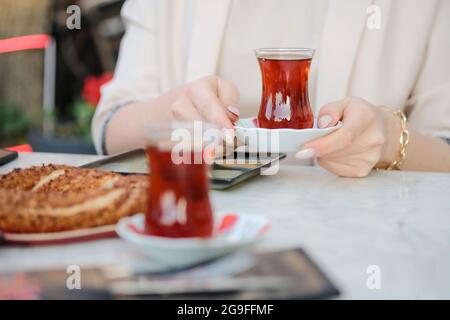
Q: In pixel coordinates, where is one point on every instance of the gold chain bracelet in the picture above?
(404, 138)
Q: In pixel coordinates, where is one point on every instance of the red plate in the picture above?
(61, 237)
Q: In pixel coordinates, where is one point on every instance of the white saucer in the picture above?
(277, 140)
(232, 232)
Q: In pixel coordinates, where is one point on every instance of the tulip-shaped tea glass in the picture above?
(285, 101)
(179, 204)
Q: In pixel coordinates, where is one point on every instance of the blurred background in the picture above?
(51, 70)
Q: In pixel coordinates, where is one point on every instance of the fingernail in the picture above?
(306, 153)
(324, 121)
(233, 110)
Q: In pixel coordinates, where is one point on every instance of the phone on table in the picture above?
(225, 173)
(7, 156)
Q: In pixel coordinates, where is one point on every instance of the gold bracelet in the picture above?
(404, 138)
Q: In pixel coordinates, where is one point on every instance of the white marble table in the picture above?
(398, 221)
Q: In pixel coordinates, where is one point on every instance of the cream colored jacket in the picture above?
(404, 64)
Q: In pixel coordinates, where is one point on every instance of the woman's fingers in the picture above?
(204, 95)
(355, 120)
(335, 141)
(355, 148)
(229, 96)
(211, 99)
(331, 113)
(184, 110)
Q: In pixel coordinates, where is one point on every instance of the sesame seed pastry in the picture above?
(53, 198)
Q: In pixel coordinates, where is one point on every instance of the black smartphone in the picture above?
(225, 173)
(7, 156)
(241, 166)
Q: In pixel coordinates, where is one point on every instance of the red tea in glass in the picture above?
(179, 203)
(285, 100)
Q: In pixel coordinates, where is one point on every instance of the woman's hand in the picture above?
(368, 138)
(211, 99)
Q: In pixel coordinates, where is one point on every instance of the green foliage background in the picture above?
(13, 122)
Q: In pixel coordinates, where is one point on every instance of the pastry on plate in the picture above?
(53, 198)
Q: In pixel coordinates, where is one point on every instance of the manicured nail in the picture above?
(324, 121)
(306, 153)
(233, 110)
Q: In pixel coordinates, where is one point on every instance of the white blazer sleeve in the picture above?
(136, 77)
(429, 103)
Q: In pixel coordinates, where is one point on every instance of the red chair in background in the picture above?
(37, 42)
(21, 148)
